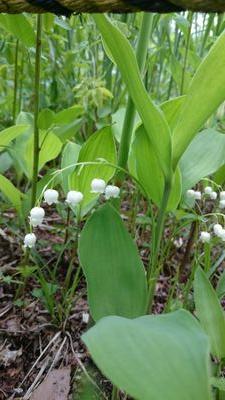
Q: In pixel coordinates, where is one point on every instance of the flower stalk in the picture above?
(36, 147)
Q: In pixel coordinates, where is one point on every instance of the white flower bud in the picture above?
(213, 196)
(98, 186)
(37, 212)
(205, 237)
(208, 190)
(222, 204)
(190, 194)
(112, 191)
(85, 317)
(222, 235)
(197, 195)
(222, 195)
(36, 216)
(30, 240)
(51, 196)
(74, 198)
(217, 228)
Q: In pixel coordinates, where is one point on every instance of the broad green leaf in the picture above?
(7, 135)
(67, 131)
(210, 313)
(152, 117)
(45, 118)
(99, 146)
(5, 162)
(204, 156)
(20, 27)
(171, 110)
(219, 176)
(10, 192)
(70, 156)
(68, 115)
(18, 147)
(117, 123)
(48, 22)
(205, 94)
(220, 289)
(164, 357)
(113, 269)
(149, 172)
(25, 118)
(50, 149)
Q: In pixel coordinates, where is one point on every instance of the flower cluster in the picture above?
(194, 194)
(218, 231)
(110, 191)
(208, 192)
(73, 198)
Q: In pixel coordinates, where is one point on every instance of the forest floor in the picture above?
(32, 347)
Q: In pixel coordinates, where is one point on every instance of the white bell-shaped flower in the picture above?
(190, 194)
(112, 191)
(222, 235)
(74, 198)
(30, 240)
(197, 195)
(36, 216)
(213, 195)
(222, 195)
(217, 228)
(51, 196)
(208, 190)
(205, 237)
(98, 186)
(222, 204)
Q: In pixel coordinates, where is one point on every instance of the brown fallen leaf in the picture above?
(55, 387)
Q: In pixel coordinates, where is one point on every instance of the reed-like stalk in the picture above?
(36, 146)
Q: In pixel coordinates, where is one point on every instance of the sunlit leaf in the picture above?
(11, 192)
(210, 313)
(113, 269)
(152, 117)
(20, 27)
(99, 146)
(162, 357)
(204, 156)
(205, 94)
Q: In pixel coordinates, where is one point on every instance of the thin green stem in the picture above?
(190, 19)
(115, 393)
(190, 241)
(16, 70)
(172, 289)
(73, 257)
(67, 225)
(21, 81)
(207, 251)
(189, 284)
(36, 148)
(153, 268)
